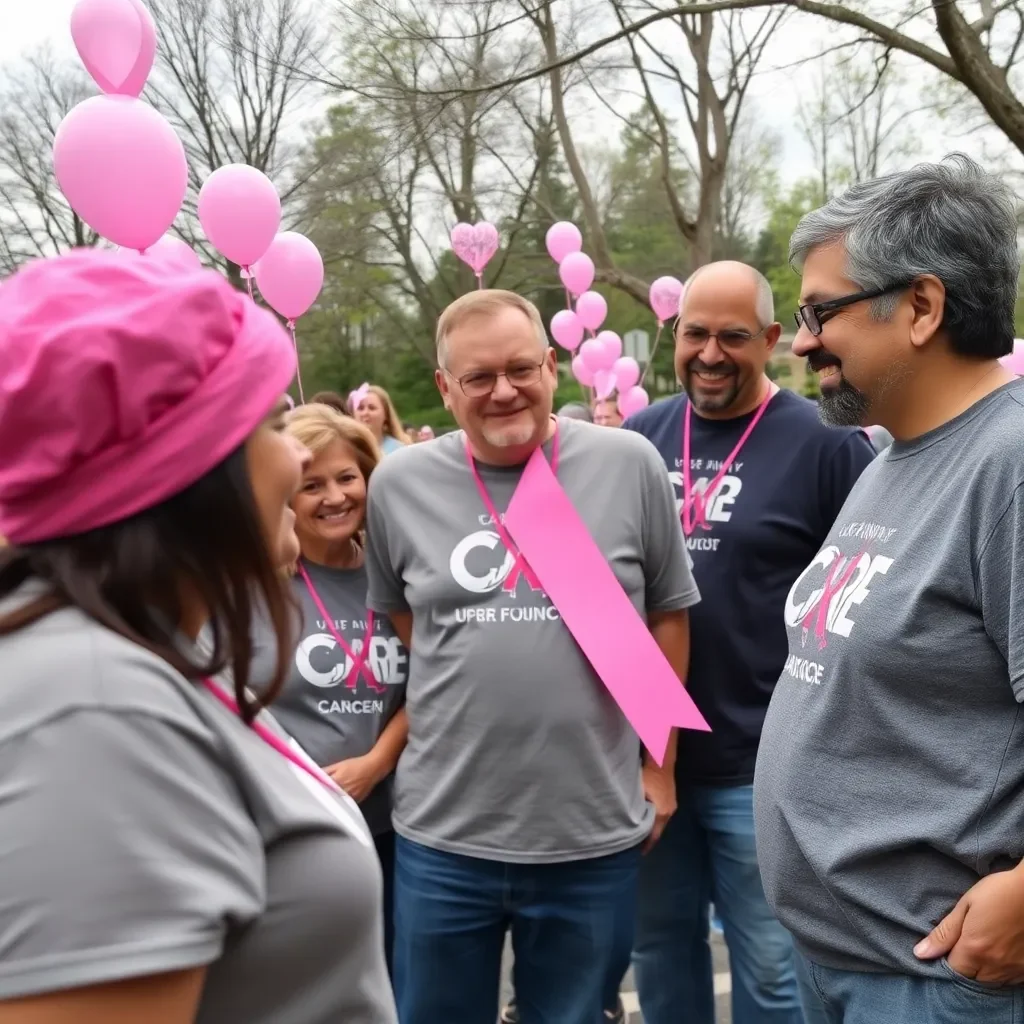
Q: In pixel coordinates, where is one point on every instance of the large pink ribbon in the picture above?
(576, 577)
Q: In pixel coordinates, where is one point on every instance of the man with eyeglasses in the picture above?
(759, 482)
(522, 801)
(890, 780)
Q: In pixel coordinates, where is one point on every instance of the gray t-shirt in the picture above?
(516, 751)
(331, 718)
(890, 776)
(145, 828)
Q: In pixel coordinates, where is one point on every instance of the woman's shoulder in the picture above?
(67, 662)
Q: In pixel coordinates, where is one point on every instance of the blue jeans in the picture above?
(451, 916)
(707, 853)
(850, 997)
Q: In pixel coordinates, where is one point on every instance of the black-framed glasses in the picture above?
(699, 336)
(478, 383)
(813, 315)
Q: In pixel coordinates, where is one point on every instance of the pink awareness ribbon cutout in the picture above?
(580, 583)
(359, 661)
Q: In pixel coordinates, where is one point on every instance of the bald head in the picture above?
(731, 282)
(724, 338)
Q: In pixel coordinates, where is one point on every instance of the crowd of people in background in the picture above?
(296, 726)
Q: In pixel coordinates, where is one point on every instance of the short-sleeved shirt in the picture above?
(147, 829)
(332, 713)
(517, 752)
(891, 772)
(766, 520)
(390, 444)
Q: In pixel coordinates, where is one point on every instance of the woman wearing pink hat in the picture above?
(167, 853)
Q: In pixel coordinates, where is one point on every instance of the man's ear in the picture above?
(441, 380)
(927, 297)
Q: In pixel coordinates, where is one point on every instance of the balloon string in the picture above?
(298, 369)
(480, 280)
(248, 281)
(654, 350)
(568, 299)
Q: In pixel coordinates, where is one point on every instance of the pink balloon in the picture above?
(627, 373)
(137, 77)
(593, 356)
(566, 329)
(122, 169)
(563, 238)
(611, 345)
(1014, 362)
(604, 383)
(591, 309)
(664, 297)
(576, 272)
(240, 211)
(108, 35)
(475, 244)
(290, 274)
(632, 401)
(581, 371)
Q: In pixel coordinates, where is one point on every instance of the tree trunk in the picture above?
(977, 72)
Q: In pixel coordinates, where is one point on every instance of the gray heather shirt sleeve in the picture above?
(125, 851)
(1000, 583)
(670, 582)
(386, 589)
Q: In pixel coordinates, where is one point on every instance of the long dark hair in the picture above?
(206, 542)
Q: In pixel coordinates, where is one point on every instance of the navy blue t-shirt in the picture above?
(767, 520)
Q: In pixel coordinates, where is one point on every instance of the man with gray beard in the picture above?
(759, 482)
(889, 790)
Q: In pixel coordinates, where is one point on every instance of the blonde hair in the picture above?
(392, 424)
(484, 302)
(317, 427)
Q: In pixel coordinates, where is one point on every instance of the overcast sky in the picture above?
(25, 24)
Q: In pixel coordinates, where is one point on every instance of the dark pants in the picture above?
(385, 844)
(451, 916)
(850, 997)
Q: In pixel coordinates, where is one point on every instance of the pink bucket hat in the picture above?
(122, 382)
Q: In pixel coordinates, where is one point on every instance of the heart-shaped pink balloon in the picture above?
(116, 40)
(604, 383)
(475, 244)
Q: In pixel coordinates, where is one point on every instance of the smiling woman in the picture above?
(344, 697)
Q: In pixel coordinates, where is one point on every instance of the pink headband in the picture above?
(121, 384)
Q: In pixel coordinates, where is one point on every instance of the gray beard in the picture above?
(843, 406)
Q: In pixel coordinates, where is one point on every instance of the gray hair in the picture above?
(484, 302)
(951, 220)
(764, 301)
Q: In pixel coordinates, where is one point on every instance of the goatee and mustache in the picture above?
(720, 399)
(840, 405)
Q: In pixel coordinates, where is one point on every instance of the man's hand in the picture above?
(983, 936)
(660, 790)
(356, 775)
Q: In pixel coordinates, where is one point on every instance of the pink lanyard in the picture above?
(272, 739)
(359, 662)
(694, 502)
(520, 565)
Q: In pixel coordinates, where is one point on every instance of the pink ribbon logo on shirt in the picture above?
(591, 602)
